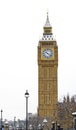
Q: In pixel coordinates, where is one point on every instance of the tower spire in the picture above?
(47, 24)
(47, 27)
(47, 34)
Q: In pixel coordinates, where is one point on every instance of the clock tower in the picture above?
(47, 73)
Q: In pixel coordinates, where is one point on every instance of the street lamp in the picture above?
(45, 121)
(53, 125)
(39, 127)
(44, 124)
(14, 123)
(74, 115)
(26, 96)
(1, 119)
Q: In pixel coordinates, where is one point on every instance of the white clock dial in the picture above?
(47, 53)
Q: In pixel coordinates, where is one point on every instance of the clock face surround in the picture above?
(47, 53)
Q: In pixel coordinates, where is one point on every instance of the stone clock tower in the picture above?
(47, 73)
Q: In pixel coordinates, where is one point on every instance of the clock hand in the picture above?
(47, 53)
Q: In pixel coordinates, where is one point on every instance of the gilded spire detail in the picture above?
(47, 34)
(47, 24)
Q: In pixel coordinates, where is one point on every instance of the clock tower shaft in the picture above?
(47, 73)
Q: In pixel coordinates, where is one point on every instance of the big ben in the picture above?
(47, 73)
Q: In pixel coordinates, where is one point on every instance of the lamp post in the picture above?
(1, 119)
(26, 96)
(39, 127)
(45, 121)
(45, 126)
(14, 123)
(53, 126)
(74, 115)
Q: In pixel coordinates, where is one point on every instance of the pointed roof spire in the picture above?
(47, 34)
(47, 24)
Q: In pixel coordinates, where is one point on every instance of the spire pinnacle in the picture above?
(47, 24)
(47, 34)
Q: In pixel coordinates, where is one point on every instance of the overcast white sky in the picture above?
(21, 27)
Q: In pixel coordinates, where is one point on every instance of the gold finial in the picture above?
(47, 16)
(47, 13)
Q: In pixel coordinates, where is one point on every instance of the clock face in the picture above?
(47, 53)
